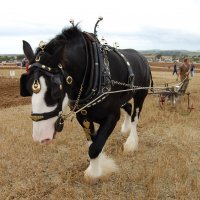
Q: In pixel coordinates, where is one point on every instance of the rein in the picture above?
(102, 96)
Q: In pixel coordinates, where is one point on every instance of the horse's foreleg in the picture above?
(88, 127)
(101, 165)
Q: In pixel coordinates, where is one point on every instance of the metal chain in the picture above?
(133, 87)
(120, 83)
(73, 112)
(78, 98)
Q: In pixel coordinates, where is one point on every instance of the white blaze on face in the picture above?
(45, 129)
(42, 130)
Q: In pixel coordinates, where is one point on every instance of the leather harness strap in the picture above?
(130, 69)
(101, 81)
(90, 36)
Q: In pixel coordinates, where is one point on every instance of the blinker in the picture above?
(36, 86)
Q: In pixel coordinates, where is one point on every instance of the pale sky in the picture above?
(137, 24)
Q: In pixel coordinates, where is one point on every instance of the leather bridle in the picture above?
(36, 69)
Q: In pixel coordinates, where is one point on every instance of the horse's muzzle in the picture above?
(48, 140)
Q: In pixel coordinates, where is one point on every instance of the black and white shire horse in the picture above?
(74, 69)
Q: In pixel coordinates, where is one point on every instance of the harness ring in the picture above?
(84, 112)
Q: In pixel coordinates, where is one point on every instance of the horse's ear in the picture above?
(28, 51)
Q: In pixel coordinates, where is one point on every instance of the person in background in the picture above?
(192, 69)
(184, 71)
(175, 69)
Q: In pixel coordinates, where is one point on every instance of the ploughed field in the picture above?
(166, 165)
(10, 96)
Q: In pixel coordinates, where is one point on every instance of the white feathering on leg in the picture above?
(108, 165)
(131, 143)
(100, 167)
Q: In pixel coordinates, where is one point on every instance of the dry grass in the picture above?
(166, 165)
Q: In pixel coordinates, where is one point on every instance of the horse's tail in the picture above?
(151, 88)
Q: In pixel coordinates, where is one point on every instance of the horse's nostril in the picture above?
(45, 141)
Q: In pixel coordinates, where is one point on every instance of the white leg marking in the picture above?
(131, 143)
(126, 126)
(100, 167)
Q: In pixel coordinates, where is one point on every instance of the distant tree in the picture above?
(184, 56)
(174, 57)
(5, 58)
(20, 57)
(158, 56)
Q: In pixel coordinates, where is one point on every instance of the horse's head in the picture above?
(45, 83)
(55, 73)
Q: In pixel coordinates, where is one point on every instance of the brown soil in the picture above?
(9, 93)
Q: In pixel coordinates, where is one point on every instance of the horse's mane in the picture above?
(66, 35)
(69, 33)
(58, 42)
